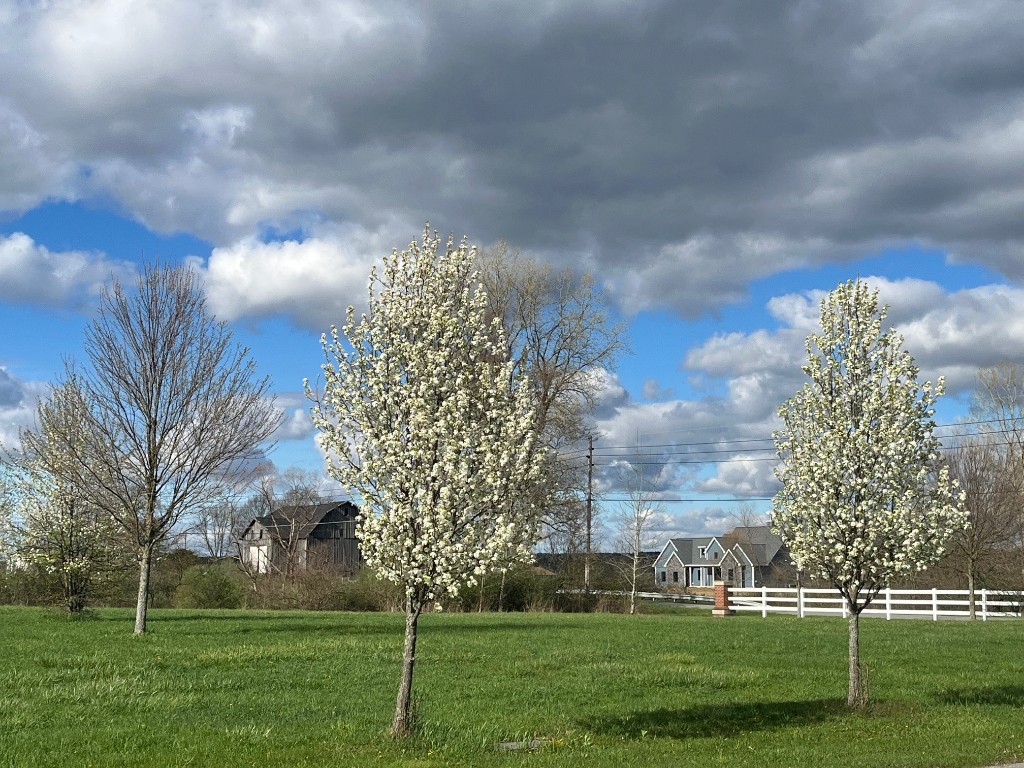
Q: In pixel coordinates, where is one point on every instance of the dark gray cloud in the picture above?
(680, 149)
(17, 407)
(11, 390)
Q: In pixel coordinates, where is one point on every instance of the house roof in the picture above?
(758, 541)
(688, 550)
(305, 516)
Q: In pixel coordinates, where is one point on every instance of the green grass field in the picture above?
(238, 688)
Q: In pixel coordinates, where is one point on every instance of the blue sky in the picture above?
(716, 165)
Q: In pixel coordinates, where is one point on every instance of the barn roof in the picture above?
(306, 516)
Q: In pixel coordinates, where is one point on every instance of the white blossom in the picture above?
(864, 496)
(424, 426)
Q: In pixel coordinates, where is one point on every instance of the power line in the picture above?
(572, 453)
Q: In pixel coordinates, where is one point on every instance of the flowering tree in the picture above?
(425, 429)
(865, 497)
(53, 525)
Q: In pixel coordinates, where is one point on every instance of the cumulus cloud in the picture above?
(30, 273)
(312, 281)
(680, 150)
(950, 334)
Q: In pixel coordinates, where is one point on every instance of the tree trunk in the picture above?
(501, 591)
(142, 606)
(402, 724)
(857, 696)
(971, 599)
(480, 604)
(632, 584)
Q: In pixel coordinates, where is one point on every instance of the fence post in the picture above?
(846, 607)
(722, 607)
(800, 602)
(935, 603)
(984, 605)
(764, 602)
(888, 603)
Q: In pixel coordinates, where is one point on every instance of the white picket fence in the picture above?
(890, 603)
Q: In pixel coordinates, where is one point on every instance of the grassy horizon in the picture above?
(246, 688)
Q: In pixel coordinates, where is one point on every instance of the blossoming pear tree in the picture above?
(865, 497)
(427, 427)
(52, 523)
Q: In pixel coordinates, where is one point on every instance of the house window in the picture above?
(730, 574)
(675, 576)
(662, 577)
(702, 553)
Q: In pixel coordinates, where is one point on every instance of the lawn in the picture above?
(236, 688)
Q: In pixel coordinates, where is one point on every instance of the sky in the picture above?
(717, 166)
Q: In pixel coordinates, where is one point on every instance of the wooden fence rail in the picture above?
(890, 603)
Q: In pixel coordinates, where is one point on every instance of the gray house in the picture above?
(309, 536)
(747, 556)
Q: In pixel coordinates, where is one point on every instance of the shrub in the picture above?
(317, 590)
(209, 587)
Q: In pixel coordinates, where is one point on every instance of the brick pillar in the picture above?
(722, 607)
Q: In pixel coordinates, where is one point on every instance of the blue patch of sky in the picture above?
(282, 351)
(63, 226)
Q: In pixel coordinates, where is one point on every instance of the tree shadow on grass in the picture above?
(717, 720)
(996, 695)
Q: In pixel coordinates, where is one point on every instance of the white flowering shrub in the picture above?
(865, 497)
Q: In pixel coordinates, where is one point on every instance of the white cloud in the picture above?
(30, 169)
(745, 474)
(312, 281)
(949, 333)
(30, 273)
(296, 423)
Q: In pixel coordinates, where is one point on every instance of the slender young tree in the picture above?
(865, 496)
(424, 427)
(174, 410)
(55, 525)
(633, 522)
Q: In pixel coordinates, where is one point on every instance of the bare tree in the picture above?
(989, 495)
(174, 410)
(559, 336)
(633, 527)
(219, 525)
(998, 404)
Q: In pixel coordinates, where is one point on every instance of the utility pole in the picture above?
(590, 510)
